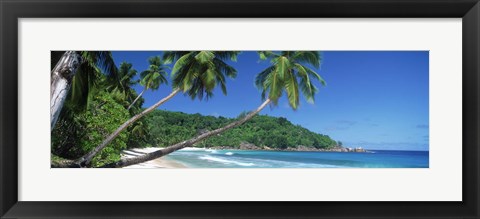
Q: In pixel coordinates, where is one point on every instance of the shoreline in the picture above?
(165, 162)
(300, 148)
(214, 158)
(162, 162)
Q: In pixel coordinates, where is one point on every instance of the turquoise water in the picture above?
(207, 158)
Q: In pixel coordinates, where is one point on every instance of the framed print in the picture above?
(239, 109)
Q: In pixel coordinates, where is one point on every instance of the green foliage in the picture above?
(121, 87)
(155, 74)
(94, 67)
(81, 126)
(197, 73)
(289, 73)
(78, 133)
(100, 96)
(166, 128)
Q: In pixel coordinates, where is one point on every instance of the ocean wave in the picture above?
(216, 159)
(225, 158)
(193, 149)
(212, 151)
(267, 163)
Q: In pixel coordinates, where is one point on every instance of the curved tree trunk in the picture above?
(138, 97)
(85, 160)
(60, 82)
(178, 146)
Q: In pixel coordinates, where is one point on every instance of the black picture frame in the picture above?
(12, 10)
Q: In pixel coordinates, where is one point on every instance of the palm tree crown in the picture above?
(85, 81)
(197, 73)
(126, 74)
(152, 77)
(155, 74)
(290, 72)
(125, 81)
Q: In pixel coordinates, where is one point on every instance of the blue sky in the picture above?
(374, 99)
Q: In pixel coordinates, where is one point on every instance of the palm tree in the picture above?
(152, 77)
(195, 73)
(122, 87)
(289, 73)
(75, 73)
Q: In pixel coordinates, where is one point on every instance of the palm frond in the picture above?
(313, 58)
(102, 59)
(226, 69)
(182, 62)
(87, 77)
(291, 88)
(204, 57)
(264, 55)
(307, 88)
(197, 73)
(261, 77)
(170, 56)
(155, 75)
(288, 72)
(314, 74)
(227, 55)
(282, 66)
(275, 83)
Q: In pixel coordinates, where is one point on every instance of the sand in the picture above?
(161, 162)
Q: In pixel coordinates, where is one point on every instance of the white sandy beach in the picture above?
(161, 162)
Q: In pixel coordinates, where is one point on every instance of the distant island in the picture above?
(260, 133)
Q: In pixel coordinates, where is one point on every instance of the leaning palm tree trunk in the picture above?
(134, 101)
(178, 146)
(85, 160)
(61, 80)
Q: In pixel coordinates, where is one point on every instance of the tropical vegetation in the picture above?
(152, 77)
(94, 135)
(266, 132)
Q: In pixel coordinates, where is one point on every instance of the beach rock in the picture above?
(337, 149)
(303, 148)
(248, 146)
(360, 149)
(267, 148)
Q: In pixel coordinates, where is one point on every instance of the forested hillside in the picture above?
(167, 128)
